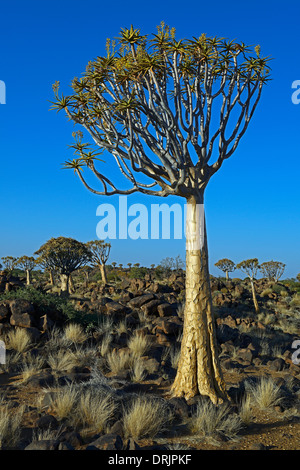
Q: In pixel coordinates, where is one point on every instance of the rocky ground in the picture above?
(121, 358)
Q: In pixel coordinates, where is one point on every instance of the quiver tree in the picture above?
(9, 262)
(226, 265)
(99, 254)
(272, 270)
(86, 270)
(27, 264)
(167, 113)
(63, 255)
(250, 267)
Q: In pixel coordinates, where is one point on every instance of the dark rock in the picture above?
(117, 428)
(65, 446)
(277, 365)
(151, 308)
(114, 308)
(19, 306)
(166, 309)
(47, 422)
(24, 320)
(42, 379)
(50, 444)
(137, 302)
(245, 355)
(107, 442)
(72, 438)
(4, 311)
(180, 407)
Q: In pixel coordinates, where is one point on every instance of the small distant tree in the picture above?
(250, 267)
(129, 265)
(298, 277)
(272, 270)
(27, 264)
(114, 264)
(168, 265)
(9, 262)
(178, 263)
(226, 265)
(64, 255)
(99, 251)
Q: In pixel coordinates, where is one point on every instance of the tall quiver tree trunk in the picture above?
(199, 370)
(64, 285)
(103, 273)
(256, 306)
(28, 277)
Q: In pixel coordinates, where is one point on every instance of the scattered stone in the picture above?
(47, 422)
(50, 444)
(107, 442)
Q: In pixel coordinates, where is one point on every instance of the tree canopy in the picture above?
(160, 107)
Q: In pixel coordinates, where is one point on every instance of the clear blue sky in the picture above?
(252, 204)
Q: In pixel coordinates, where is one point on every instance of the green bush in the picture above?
(138, 273)
(46, 303)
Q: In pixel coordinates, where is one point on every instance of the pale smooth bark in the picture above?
(64, 287)
(28, 277)
(103, 273)
(199, 370)
(254, 297)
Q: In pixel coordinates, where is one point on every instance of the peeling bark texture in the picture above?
(256, 306)
(103, 273)
(64, 287)
(199, 370)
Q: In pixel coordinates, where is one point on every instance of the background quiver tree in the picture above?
(99, 254)
(250, 267)
(9, 263)
(272, 270)
(27, 264)
(166, 113)
(226, 265)
(63, 255)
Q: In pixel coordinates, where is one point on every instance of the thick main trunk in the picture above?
(103, 273)
(64, 286)
(199, 370)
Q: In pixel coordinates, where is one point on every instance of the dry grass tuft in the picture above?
(210, 420)
(10, 421)
(145, 417)
(74, 333)
(18, 339)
